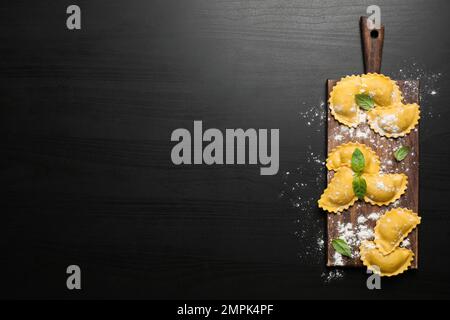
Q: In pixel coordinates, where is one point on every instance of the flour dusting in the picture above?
(303, 185)
(353, 235)
(331, 275)
(429, 85)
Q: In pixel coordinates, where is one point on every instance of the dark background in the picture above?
(86, 118)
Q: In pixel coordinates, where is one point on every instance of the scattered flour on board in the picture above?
(338, 259)
(374, 216)
(353, 235)
(361, 219)
(405, 243)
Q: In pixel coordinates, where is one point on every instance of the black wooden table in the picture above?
(86, 119)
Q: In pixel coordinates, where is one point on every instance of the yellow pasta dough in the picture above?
(383, 189)
(382, 89)
(341, 156)
(342, 101)
(339, 195)
(386, 265)
(393, 227)
(394, 121)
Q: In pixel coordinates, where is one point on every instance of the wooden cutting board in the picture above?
(372, 48)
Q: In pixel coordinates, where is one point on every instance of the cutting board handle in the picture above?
(372, 42)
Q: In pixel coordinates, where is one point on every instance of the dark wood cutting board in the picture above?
(372, 47)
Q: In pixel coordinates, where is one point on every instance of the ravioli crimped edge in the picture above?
(330, 209)
(356, 144)
(361, 77)
(375, 127)
(396, 86)
(330, 104)
(398, 195)
(404, 267)
(405, 234)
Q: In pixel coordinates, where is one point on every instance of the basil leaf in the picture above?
(359, 187)
(342, 247)
(358, 161)
(401, 153)
(364, 101)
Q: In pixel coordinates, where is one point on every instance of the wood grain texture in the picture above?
(384, 148)
(372, 44)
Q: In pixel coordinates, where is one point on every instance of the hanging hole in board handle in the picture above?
(372, 45)
(374, 34)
